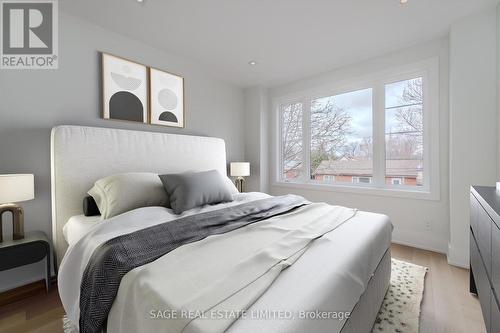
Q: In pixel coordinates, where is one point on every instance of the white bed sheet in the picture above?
(78, 254)
(330, 277)
(78, 226)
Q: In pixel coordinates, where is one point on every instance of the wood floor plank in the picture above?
(37, 306)
(401, 252)
(428, 321)
(470, 310)
(447, 305)
(49, 322)
(13, 321)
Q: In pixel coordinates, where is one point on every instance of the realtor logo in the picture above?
(29, 34)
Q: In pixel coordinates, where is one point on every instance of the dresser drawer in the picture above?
(474, 213)
(482, 283)
(483, 237)
(16, 256)
(495, 258)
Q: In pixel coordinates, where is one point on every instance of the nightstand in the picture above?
(34, 247)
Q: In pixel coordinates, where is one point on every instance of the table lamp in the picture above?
(240, 170)
(15, 188)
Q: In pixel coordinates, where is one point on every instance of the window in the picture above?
(341, 136)
(373, 136)
(362, 180)
(328, 178)
(396, 181)
(404, 132)
(291, 148)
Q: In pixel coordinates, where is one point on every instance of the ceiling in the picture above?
(289, 39)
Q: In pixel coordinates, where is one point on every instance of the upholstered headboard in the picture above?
(82, 155)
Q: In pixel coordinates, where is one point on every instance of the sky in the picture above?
(393, 97)
(359, 105)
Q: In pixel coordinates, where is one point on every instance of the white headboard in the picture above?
(82, 155)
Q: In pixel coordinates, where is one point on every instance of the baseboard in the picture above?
(417, 246)
(420, 240)
(25, 291)
(460, 264)
(457, 259)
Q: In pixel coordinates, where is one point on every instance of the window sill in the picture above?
(364, 190)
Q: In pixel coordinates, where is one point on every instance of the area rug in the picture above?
(400, 310)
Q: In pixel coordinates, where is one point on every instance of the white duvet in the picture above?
(163, 296)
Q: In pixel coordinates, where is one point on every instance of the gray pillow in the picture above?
(192, 189)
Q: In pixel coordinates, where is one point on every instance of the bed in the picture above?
(345, 271)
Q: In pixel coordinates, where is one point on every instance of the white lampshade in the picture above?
(240, 169)
(16, 188)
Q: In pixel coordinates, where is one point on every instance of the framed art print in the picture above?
(166, 98)
(125, 89)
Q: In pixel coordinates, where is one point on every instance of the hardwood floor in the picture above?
(447, 306)
(40, 313)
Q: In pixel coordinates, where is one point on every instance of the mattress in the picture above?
(328, 279)
(78, 226)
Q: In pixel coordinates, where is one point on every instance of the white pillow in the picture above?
(121, 193)
(231, 186)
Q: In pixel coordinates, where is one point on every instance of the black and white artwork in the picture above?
(167, 98)
(125, 89)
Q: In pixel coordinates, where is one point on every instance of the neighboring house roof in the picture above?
(394, 168)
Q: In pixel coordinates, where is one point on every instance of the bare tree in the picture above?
(410, 117)
(402, 147)
(406, 141)
(292, 137)
(365, 148)
(351, 150)
(356, 150)
(330, 126)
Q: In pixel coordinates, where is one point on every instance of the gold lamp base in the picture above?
(240, 182)
(17, 220)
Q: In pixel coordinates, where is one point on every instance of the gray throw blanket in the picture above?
(116, 257)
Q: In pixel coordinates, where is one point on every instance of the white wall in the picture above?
(409, 216)
(32, 102)
(473, 132)
(498, 90)
(256, 138)
(469, 113)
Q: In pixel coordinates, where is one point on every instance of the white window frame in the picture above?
(357, 178)
(399, 179)
(430, 190)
